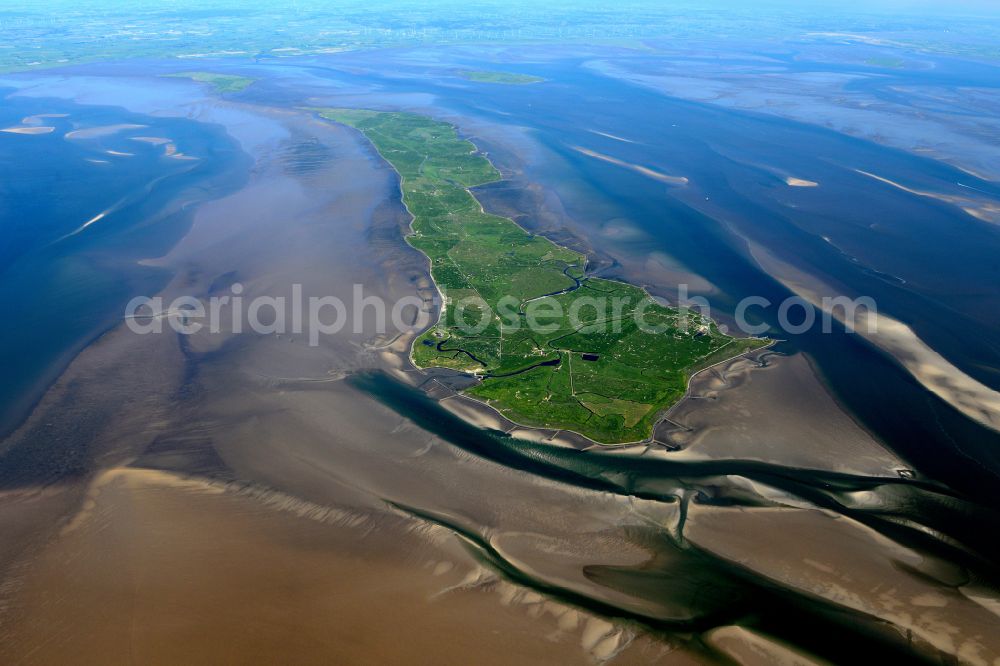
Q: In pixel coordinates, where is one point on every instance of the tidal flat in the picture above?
(226, 495)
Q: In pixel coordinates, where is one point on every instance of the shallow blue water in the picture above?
(66, 271)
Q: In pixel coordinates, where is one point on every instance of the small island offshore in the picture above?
(222, 83)
(554, 346)
(508, 78)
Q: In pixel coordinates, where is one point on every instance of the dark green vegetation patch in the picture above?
(223, 83)
(509, 78)
(607, 376)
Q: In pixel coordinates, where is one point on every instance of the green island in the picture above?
(509, 78)
(554, 347)
(223, 83)
(890, 63)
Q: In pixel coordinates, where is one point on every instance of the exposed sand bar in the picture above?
(104, 130)
(938, 375)
(611, 136)
(985, 210)
(645, 171)
(733, 416)
(750, 648)
(39, 119)
(799, 182)
(155, 140)
(850, 565)
(28, 130)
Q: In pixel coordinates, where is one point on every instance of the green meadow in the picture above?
(555, 348)
(223, 83)
(508, 78)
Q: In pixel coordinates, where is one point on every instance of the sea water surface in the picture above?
(87, 193)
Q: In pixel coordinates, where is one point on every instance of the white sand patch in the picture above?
(96, 218)
(800, 182)
(155, 140)
(169, 147)
(596, 630)
(852, 566)
(170, 150)
(441, 568)
(103, 130)
(473, 412)
(611, 136)
(39, 119)
(985, 211)
(28, 130)
(939, 376)
(974, 399)
(750, 648)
